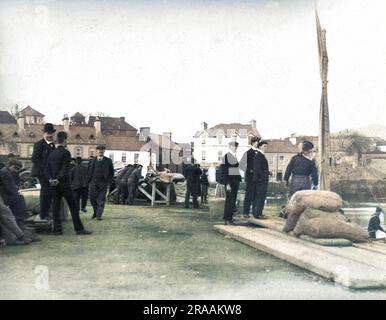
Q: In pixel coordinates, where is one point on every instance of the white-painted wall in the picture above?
(143, 157)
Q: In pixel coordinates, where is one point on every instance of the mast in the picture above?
(324, 119)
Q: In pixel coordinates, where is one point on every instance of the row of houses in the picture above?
(124, 143)
(346, 154)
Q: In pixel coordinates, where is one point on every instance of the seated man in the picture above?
(10, 232)
(9, 191)
(376, 226)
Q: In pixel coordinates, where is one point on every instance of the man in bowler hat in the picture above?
(41, 151)
(57, 173)
(100, 173)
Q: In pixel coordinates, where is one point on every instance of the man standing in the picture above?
(192, 174)
(204, 186)
(100, 173)
(57, 173)
(41, 151)
(231, 179)
(300, 168)
(79, 184)
(260, 178)
(132, 183)
(246, 164)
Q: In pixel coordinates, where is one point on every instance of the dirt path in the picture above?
(145, 253)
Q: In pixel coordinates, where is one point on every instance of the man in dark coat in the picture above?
(246, 164)
(41, 151)
(300, 168)
(231, 179)
(260, 178)
(132, 182)
(57, 173)
(100, 172)
(9, 191)
(192, 175)
(376, 225)
(204, 186)
(79, 184)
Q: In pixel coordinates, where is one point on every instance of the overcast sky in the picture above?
(172, 64)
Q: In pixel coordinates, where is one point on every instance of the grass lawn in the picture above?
(155, 253)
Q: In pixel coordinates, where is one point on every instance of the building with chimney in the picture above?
(211, 144)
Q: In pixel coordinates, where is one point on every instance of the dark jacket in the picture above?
(301, 166)
(374, 226)
(260, 168)
(230, 169)
(59, 165)
(40, 154)
(108, 168)
(204, 179)
(8, 188)
(134, 176)
(246, 163)
(193, 174)
(79, 177)
(127, 174)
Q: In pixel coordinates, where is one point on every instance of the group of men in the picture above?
(256, 175)
(126, 183)
(51, 164)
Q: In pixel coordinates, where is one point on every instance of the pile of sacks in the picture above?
(317, 214)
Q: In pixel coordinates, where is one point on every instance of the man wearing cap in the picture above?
(41, 151)
(57, 173)
(192, 174)
(260, 179)
(300, 169)
(79, 184)
(100, 173)
(246, 164)
(231, 178)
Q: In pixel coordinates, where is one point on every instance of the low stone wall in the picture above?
(360, 190)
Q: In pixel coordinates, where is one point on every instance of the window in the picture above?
(91, 138)
(203, 141)
(15, 134)
(203, 156)
(111, 156)
(219, 155)
(220, 138)
(281, 159)
(136, 157)
(271, 160)
(30, 150)
(78, 137)
(78, 152)
(124, 157)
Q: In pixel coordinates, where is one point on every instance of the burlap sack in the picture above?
(291, 222)
(327, 225)
(321, 200)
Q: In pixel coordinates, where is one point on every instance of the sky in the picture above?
(170, 65)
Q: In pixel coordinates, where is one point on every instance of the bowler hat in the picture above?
(101, 147)
(49, 128)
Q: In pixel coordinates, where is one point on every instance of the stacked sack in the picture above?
(316, 214)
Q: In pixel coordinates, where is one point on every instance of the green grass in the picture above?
(146, 253)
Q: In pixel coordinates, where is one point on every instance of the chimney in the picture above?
(253, 124)
(144, 132)
(66, 123)
(97, 125)
(20, 124)
(168, 135)
(293, 139)
(204, 126)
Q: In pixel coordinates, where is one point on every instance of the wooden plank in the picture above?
(153, 189)
(349, 266)
(145, 192)
(168, 194)
(161, 194)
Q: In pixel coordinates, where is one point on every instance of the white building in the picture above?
(211, 144)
